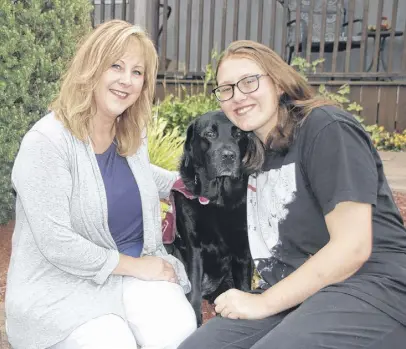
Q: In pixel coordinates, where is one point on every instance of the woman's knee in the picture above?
(182, 324)
(178, 319)
(163, 317)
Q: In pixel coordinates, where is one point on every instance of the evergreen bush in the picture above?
(38, 37)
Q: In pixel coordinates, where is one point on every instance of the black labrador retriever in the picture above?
(212, 238)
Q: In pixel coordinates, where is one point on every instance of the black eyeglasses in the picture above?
(246, 85)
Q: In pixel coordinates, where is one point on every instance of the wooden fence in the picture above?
(359, 39)
(383, 104)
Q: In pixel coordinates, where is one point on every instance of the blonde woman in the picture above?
(88, 268)
(324, 231)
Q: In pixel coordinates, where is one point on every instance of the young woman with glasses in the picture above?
(325, 234)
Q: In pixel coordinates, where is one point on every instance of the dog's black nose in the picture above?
(228, 155)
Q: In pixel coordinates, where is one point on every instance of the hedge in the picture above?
(38, 38)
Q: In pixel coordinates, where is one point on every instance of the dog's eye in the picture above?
(210, 134)
(237, 133)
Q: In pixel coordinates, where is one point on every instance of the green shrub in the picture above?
(37, 38)
(179, 112)
(164, 146)
(384, 140)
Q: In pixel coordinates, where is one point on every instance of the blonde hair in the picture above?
(75, 105)
(297, 101)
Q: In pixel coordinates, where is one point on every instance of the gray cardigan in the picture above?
(62, 251)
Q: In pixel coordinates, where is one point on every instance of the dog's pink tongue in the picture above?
(203, 201)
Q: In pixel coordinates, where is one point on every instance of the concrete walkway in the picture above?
(394, 165)
(395, 169)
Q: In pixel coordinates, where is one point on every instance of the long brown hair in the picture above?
(297, 101)
(75, 104)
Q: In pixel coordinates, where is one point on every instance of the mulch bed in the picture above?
(5, 242)
(5, 250)
(400, 199)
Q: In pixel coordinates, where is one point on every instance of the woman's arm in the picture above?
(350, 228)
(164, 180)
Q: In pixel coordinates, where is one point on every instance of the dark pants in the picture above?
(326, 320)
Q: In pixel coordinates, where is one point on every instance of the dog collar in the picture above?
(180, 187)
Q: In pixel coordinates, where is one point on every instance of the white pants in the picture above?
(159, 317)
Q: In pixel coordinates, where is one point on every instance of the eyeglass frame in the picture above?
(233, 86)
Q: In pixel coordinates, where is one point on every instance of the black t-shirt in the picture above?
(331, 160)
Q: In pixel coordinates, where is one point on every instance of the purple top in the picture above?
(123, 202)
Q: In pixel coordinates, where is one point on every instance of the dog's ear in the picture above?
(187, 164)
(188, 148)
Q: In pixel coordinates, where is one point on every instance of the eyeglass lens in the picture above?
(246, 85)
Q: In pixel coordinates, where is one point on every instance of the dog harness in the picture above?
(169, 222)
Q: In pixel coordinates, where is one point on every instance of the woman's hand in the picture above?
(235, 304)
(155, 268)
(146, 268)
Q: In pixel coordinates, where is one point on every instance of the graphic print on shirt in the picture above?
(275, 189)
